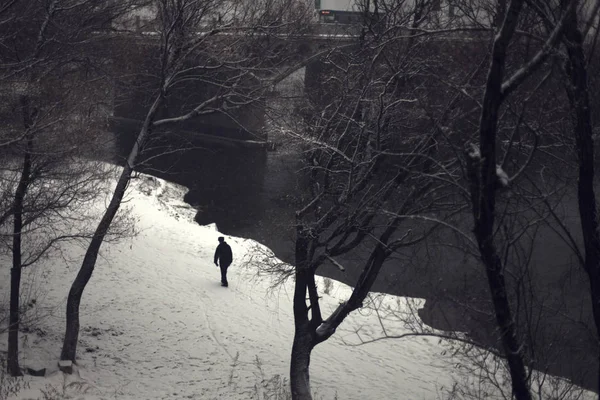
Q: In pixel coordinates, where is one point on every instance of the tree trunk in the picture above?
(69, 349)
(483, 197)
(303, 333)
(300, 363)
(15, 272)
(578, 93)
(13, 328)
(505, 321)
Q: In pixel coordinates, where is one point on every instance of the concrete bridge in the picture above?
(244, 126)
(222, 160)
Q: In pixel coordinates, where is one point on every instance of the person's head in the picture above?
(221, 239)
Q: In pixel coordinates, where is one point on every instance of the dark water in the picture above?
(249, 192)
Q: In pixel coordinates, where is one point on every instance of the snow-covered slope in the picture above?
(156, 324)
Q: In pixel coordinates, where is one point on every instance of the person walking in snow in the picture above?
(224, 255)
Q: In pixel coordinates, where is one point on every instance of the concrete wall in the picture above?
(135, 94)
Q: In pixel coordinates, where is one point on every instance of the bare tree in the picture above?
(209, 43)
(578, 93)
(580, 26)
(368, 168)
(486, 181)
(486, 178)
(44, 73)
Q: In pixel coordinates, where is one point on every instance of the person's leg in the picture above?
(224, 275)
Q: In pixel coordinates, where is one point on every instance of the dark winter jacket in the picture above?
(224, 254)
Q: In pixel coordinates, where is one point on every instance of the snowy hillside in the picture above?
(156, 323)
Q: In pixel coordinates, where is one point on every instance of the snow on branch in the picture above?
(525, 71)
(328, 327)
(198, 110)
(473, 152)
(502, 176)
(337, 264)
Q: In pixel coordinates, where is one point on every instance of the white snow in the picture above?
(473, 152)
(502, 176)
(156, 324)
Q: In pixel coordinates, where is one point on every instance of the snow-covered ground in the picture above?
(156, 324)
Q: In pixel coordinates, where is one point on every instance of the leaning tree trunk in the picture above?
(578, 93)
(69, 349)
(15, 272)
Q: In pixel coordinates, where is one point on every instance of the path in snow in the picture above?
(156, 324)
